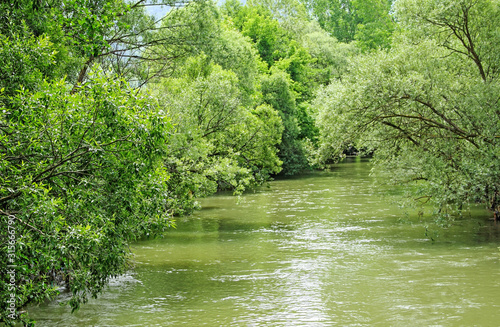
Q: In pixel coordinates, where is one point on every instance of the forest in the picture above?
(116, 116)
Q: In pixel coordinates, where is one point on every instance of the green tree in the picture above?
(81, 154)
(81, 176)
(338, 17)
(185, 31)
(219, 143)
(366, 21)
(114, 34)
(276, 90)
(235, 52)
(330, 57)
(429, 106)
(291, 14)
(376, 25)
(279, 30)
(297, 65)
(269, 38)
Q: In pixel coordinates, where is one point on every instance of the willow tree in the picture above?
(219, 142)
(368, 22)
(81, 153)
(429, 107)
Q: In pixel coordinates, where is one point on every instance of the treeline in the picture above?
(113, 119)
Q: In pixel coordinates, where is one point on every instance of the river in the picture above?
(329, 248)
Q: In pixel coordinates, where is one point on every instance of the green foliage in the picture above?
(79, 28)
(81, 175)
(330, 57)
(462, 27)
(365, 21)
(24, 61)
(219, 143)
(308, 129)
(338, 17)
(232, 51)
(429, 106)
(291, 14)
(376, 25)
(184, 32)
(296, 65)
(276, 90)
(299, 59)
(269, 38)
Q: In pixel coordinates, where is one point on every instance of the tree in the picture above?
(277, 92)
(429, 106)
(330, 57)
(376, 25)
(183, 32)
(279, 32)
(366, 21)
(269, 38)
(81, 176)
(291, 14)
(81, 154)
(233, 51)
(219, 143)
(338, 17)
(114, 34)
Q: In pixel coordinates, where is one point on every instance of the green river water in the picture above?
(326, 249)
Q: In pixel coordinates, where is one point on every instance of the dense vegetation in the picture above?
(429, 107)
(113, 120)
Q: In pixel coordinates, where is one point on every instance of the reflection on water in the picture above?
(326, 249)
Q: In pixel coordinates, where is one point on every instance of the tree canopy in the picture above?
(429, 106)
(368, 22)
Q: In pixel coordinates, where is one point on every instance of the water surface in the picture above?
(325, 249)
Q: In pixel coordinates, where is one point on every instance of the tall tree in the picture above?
(81, 154)
(277, 92)
(219, 143)
(339, 17)
(366, 21)
(288, 80)
(429, 106)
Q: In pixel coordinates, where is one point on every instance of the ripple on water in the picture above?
(324, 250)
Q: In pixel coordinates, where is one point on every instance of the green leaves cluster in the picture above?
(367, 22)
(428, 107)
(289, 73)
(81, 176)
(82, 169)
(219, 143)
